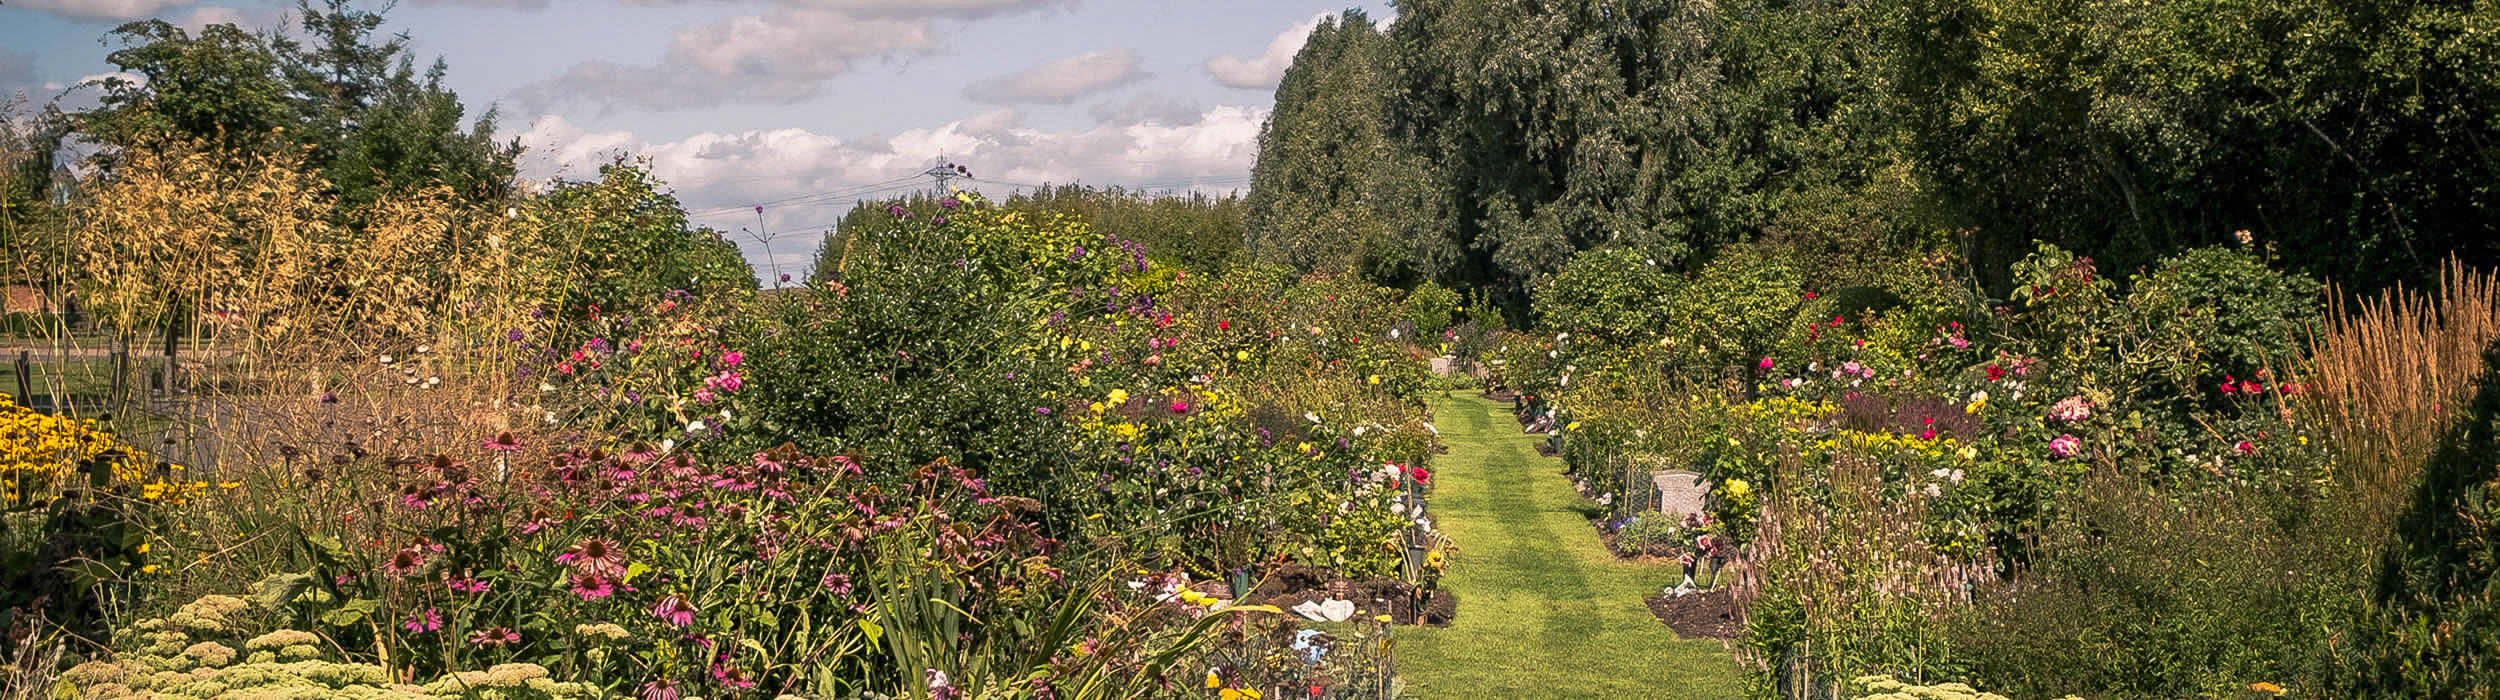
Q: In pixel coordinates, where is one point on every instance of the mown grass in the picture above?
(1544, 610)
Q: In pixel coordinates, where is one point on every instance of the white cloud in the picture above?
(1152, 107)
(1061, 80)
(1268, 68)
(101, 9)
(780, 57)
(201, 17)
(906, 8)
(97, 80)
(811, 179)
(491, 4)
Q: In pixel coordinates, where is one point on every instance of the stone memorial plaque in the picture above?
(1679, 492)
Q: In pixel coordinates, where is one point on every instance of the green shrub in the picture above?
(1736, 309)
(2140, 593)
(1610, 294)
(1432, 308)
(2215, 312)
(2431, 627)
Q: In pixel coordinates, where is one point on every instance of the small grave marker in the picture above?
(1679, 492)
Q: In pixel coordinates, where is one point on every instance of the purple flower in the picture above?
(2065, 445)
(896, 211)
(423, 622)
(673, 609)
(939, 220)
(949, 203)
(513, 335)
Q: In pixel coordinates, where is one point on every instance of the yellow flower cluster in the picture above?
(41, 452)
(1789, 410)
(1880, 442)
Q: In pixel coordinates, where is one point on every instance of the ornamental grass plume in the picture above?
(2387, 374)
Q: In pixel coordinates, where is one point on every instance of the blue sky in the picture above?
(738, 102)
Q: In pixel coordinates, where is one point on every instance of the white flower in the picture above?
(1940, 473)
(423, 348)
(1550, 354)
(1358, 431)
(1978, 396)
(1393, 332)
(1933, 492)
(543, 386)
(1397, 509)
(1312, 417)
(667, 444)
(694, 427)
(1559, 337)
(511, 212)
(724, 416)
(386, 359)
(1956, 476)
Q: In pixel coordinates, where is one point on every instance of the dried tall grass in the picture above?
(2390, 371)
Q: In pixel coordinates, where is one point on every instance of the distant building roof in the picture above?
(22, 299)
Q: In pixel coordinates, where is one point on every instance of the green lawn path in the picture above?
(1543, 609)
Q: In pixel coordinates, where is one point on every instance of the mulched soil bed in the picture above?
(1295, 585)
(1701, 615)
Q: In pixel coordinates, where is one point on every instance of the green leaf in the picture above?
(352, 612)
(637, 569)
(873, 631)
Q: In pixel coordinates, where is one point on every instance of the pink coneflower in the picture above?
(840, 584)
(499, 636)
(2065, 445)
(660, 689)
(593, 586)
(405, 562)
(539, 520)
(423, 622)
(673, 609)
(504, 442)
(730, 675)
(595, 555)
